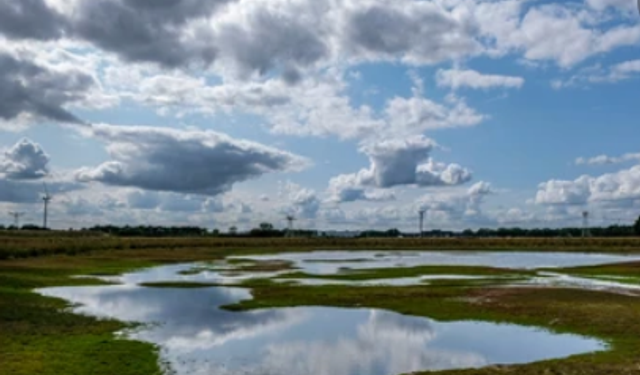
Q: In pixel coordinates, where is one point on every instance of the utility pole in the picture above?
(46, 199)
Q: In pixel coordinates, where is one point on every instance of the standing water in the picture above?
(197, 337)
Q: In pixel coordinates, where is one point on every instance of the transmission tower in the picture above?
(290, 220)
(585, 224)
(16, 218)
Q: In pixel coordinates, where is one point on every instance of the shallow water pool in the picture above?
(197, 337)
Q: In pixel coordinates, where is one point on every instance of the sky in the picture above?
(346, 114)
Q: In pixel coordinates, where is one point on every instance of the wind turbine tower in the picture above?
(422, 212)
(16, 218)
(46, 198)
(585, 224)
(290, 220)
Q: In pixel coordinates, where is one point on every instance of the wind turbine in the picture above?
(16, 218)
(45, 199)
(421, 212)
(290, 220)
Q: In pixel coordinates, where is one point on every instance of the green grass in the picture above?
(631, 269)
(39, 336)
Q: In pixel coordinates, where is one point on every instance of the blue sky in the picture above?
(347, 114)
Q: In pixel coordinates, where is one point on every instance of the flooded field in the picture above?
(197, 335)
(329, 262)
(339, 268)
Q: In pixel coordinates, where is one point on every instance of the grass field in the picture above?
(39, 337)
(33, 244)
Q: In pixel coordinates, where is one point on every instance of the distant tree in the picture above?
(265, 227)
(233, 230)
(393, 233)
(636, 227)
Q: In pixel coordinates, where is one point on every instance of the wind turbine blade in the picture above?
(46, 191)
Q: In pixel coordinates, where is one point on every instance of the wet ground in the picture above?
(197, 336)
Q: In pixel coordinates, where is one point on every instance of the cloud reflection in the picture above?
(196, 337)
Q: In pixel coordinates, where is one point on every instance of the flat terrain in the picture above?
(40, 337)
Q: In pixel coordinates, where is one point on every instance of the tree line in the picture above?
(268, 230)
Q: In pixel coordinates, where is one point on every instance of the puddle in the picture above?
(174, 273)
(197, 337)
(400, 281)
(331, 262)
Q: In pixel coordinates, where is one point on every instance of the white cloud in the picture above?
(565, 35)
(456, 79)
(449, 207)
(622, 186)
(599, 75)
(417, 114)
(396, 162)
(26, 160)
(607, 160)
(300, 202)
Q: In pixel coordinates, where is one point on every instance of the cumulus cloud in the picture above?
(565, 35)
(417, 114)
(415, 32)
(621, 186)
(29, 90)
(26, 160)
(149, 31)
(301, 202)
(397, 163)
(456, 79)
(288, 37)
(317, 106)
(30, 19)
(448, 207)
(184, 161)
(267, 35)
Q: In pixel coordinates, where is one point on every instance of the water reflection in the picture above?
(399, 281)
(197, 337)
(330, 262)
(175, 273)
